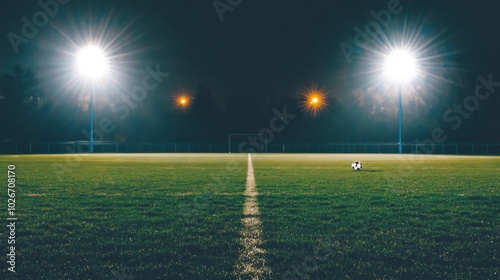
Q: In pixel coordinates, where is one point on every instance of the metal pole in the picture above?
(400, 120)
(92, 120)
(229, 143)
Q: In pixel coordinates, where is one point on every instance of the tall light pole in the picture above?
(400, 120)
(91, 108)
(401, 67)
(92, 64)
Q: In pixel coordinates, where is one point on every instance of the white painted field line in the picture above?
(251, 263)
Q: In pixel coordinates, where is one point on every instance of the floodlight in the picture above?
(92, 62)
(183, 100)
(314, 100)
(400, 66)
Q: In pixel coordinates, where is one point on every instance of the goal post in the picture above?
(247, 142)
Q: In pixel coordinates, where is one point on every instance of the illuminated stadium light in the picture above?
(314, 100)
(400, 66)
(183, 100)
(92, 63)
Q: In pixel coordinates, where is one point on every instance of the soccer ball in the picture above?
(356, 165)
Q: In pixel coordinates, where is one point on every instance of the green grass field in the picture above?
(179, 216)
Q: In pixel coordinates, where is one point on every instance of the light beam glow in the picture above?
(314, 100)
(183, 100)
(400, 66)
(92, 62)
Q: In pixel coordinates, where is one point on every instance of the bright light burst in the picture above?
(92, 62)
(94, 53)
(314, 100)
(400, 65)
(183, 100)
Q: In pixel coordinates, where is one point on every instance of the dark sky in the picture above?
(262, 56)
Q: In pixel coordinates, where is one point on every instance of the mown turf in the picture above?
(152, 217)
(179, 216)
(425, 217)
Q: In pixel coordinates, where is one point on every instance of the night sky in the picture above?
(243, 61)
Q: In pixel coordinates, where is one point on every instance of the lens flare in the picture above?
(183, 100)
(92, 61)
(400, 65)
(314, 100)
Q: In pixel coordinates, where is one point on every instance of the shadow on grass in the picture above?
(374, 170)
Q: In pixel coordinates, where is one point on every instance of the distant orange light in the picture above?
(314, 100)
(183, 100)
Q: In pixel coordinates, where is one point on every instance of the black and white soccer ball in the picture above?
(357, 165)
